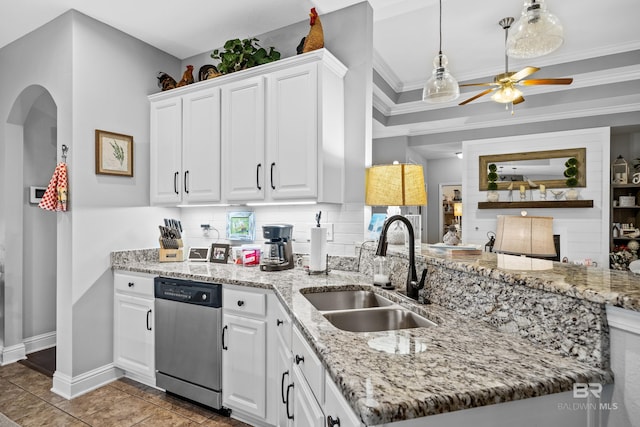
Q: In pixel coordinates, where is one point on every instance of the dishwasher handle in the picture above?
(224, 347)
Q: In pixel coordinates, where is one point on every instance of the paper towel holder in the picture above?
(315, 272)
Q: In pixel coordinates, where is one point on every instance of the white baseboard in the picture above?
(12, 354)
(71, 387)
(39, 342)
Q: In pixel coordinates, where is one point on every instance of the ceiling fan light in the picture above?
(441, 87)
(536, 33)
(506, 94)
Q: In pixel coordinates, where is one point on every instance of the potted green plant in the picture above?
(571, 173)
(492, 186)
(242, 54)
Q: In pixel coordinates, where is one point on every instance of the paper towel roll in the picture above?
(318, 256)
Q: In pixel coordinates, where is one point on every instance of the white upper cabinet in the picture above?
(185, 148)
(243, 136)
(201, 146)
(166, 145)
(271, 133)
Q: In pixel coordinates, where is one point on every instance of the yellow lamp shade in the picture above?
(457, 209)
(395, 185)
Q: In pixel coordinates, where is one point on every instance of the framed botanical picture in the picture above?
(114, 153)
(241, 226)
(219, 252)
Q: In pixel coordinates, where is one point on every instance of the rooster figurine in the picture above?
(315, 39)
(187, 77)
(165, 81)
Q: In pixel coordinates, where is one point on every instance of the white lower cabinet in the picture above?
(306, 410)
(336, 408)
(249, 355)
(134, 340)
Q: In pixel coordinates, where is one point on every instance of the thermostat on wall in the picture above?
(36, 193)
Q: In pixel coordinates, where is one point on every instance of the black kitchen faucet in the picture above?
(413, 286)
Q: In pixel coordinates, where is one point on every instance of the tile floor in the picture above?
(26, 398)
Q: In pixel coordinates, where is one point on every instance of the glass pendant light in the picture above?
(441, 87)
(537, 32)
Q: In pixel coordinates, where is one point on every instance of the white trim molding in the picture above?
(12, 354)
(626, 320)
(39, 342)
(72, 387)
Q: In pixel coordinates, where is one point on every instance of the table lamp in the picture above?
(518, 238)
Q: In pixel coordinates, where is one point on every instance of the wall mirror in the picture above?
(541, 167)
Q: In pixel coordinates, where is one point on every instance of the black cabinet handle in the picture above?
(148, 324)
(258, 176)
(289, 416)
(224, 347)
(299, 359)
(186, 180)
(273, 187)
(284, 374)
(175, 183)
(240, 303)
(279, 322)
(131, 284)
(331, 422)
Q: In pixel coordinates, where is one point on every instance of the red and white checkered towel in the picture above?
(55, 197)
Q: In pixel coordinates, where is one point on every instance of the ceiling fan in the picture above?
(505, 84)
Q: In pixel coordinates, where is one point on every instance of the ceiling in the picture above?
(405, 42)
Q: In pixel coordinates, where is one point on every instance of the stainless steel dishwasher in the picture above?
(188, 318)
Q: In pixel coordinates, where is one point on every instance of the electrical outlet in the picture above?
(328, 226)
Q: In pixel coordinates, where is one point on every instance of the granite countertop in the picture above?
(397, 375)
(600, 285)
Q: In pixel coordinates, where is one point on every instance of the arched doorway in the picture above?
(29, 298)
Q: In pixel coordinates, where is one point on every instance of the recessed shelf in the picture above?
(545, 204)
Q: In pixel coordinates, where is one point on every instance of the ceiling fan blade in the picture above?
(473, 98)
(531, 82)
(518, 100)
(525, 72)
(480, 84)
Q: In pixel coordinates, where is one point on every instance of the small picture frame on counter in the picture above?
(219, 252)
(199, 254)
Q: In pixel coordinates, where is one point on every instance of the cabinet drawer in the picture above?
(244, 301)
(283, 324)
(309, 364)
(132, 283)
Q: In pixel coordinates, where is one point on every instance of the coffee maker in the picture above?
(277, 253)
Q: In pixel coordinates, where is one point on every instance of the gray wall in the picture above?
(39, 250)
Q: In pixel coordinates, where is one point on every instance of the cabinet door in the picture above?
(244, 366)
(201, 146)
(243, 140)
(292, 124)
(285, 401)
(165, 149)
(306, 411)
(133, 335)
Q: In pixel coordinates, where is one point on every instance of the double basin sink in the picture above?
(364, 311)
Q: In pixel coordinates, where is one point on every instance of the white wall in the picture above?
(39, 251)
(584, 232)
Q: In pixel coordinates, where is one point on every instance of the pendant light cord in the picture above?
(440, 45)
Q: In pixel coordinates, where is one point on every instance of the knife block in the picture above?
(171, 255)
